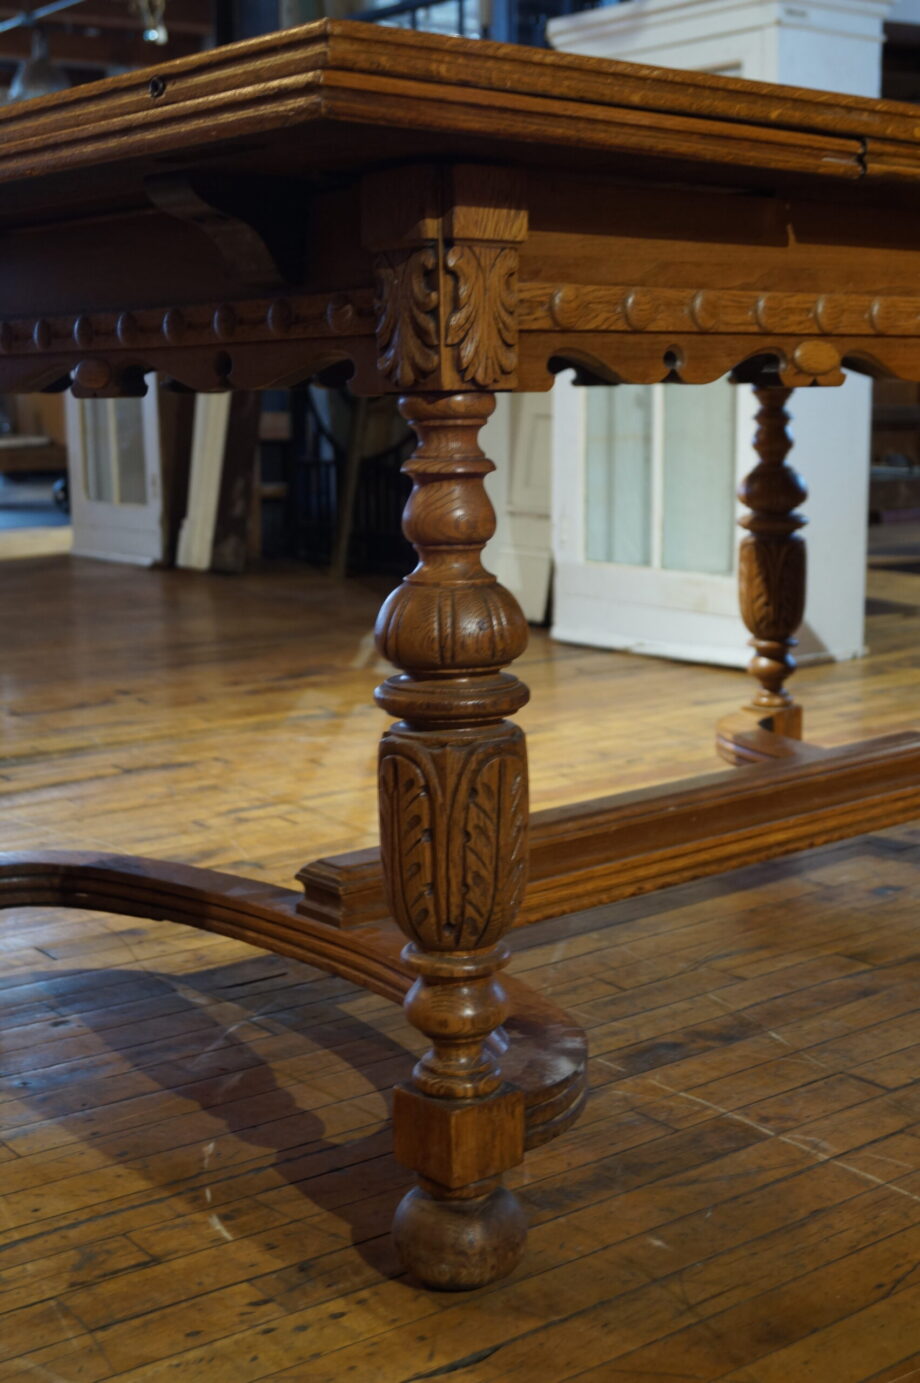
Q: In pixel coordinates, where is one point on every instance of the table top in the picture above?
(337, 94)
(419, 211)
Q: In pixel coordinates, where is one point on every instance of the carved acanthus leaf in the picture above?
(406, 303)
(772, 577)
(407, 840)
(454, 835)
(483, 324)
(494, 864)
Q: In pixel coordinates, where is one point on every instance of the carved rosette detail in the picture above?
(772, 562)
(454, 835)
(406, 303)
(482, 327)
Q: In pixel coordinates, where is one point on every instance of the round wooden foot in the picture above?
(456, 1245)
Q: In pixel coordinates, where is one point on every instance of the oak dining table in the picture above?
(443, 219)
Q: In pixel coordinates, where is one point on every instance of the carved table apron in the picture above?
(441, 220)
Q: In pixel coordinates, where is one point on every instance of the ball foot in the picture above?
(455, 1245)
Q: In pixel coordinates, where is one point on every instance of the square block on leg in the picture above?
(457, 1142)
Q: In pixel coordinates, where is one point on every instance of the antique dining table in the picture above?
(442, 219)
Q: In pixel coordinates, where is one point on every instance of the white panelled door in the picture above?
(644, 517)
(518, 438)
(113, 449)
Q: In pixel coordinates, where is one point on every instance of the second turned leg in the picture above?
(771, 576)
(453, 824)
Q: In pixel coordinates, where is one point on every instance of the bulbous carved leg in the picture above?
(771, 575)
(453, 824)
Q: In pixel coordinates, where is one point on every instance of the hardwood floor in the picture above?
(248, 701)
(195, 1157)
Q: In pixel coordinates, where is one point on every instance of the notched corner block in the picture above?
(456, 1142)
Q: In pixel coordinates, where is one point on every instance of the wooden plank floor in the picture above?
(194, 1163)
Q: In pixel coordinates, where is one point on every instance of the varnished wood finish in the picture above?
(443, 219)
(51, 456)
(771, 575)
(246, 703)
(796, 797)
(180, 676)
(541, 1051)
(453, 833)
(197, 1181)
(334, 72)
(581, 156)
(445, 258)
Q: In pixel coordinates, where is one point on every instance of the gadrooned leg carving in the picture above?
(772, 565)
(453, 814)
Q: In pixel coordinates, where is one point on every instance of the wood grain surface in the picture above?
(230, 723)
(194, 1158)
(637, 224)
(213, 173)
(337, 71)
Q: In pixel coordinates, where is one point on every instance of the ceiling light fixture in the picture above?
(37, 75)
(151, 13)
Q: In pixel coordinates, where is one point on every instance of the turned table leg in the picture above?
(771, 577)
(453, 821)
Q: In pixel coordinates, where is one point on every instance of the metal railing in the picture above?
(436, 16)
(508, 21)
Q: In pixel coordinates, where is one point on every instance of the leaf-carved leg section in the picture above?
(453, 821)
(771, 571)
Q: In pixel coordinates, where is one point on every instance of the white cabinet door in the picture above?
(518, 438)
(644, 518)
(113, 449)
